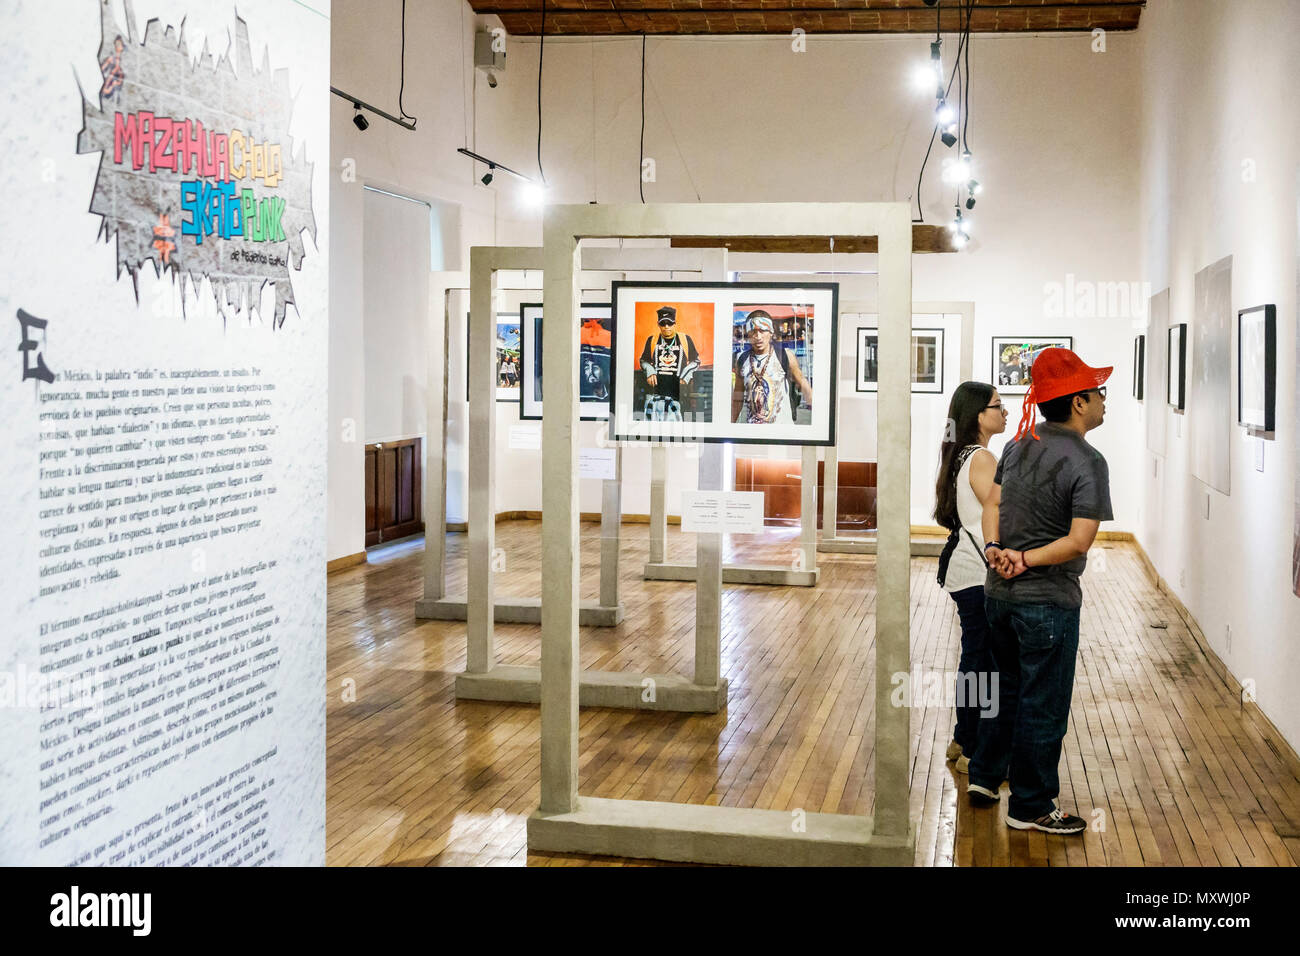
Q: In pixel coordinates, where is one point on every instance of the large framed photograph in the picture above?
(1257, 368)
(1139, 366)
(595, 338)
(926, 360)
(1176, 353)
(749, 362)
(507, 364)
(1013, 359)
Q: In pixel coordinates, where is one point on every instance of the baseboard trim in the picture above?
(347, 561)
(1250, 708)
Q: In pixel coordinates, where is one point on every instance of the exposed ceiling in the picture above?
(657, 17)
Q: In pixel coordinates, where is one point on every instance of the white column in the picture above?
(560, 661)
(893, 563)
(480, 603)
(808, 508)
(831, 492)
(611, 517)
(708, 578)
(658, 496)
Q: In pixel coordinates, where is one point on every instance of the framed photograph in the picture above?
(1176, 355)
(1257, 368)
(740, 361)
(1013, 359)
(926, 360)
(595, 336)
(1139, 366)
(507, 365)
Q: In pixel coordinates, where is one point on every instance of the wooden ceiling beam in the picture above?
(925, 238)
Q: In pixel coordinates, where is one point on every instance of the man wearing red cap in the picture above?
(1050, 493)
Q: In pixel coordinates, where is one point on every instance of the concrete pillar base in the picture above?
(921, 547)
(518, 610)
(736, 574)
(709, 834)
(522, 685)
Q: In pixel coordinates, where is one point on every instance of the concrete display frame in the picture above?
(606, 611)
(564, 822)
(483, 679)
(866, 544)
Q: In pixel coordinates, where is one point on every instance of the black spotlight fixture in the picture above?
(487, 177)
(359, 119)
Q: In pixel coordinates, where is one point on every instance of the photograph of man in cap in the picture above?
(762, 376)
(1050, 493)
(669, 360)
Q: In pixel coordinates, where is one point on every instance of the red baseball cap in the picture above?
(1057, 372)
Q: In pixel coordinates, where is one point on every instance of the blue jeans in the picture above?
(975, 659)
(1034, 647)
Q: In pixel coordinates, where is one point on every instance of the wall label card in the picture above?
(597, 463)
(722, 512)
(525, 438)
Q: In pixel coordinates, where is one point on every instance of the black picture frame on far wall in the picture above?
(1139, 367)
(1176, 352)
(1257, 368)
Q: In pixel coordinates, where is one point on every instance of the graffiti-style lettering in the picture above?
(212, 207)
(27, 345)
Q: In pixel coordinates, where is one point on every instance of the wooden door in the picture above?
(393, 485)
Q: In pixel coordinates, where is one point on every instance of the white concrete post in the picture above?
(894, 536)
(658, 503)
(611, 518)
(808, 508)
(560, 509)
(708, 580)
(480, 585)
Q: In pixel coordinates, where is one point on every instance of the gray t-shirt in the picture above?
(1045, 485)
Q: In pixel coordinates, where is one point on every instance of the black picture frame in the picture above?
(1176, 355)
(1268, 316)
(496, 320)
(1001, 342)
(833, 288)
(866, 334)
(525, 379)
(1139, 367)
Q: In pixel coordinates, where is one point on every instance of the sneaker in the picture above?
(963, 764)
(954, 750)
(981, 796)
(1053, 822)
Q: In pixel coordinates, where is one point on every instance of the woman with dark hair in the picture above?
(966, 471)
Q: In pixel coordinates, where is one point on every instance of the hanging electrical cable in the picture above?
(640, 163)
(541, 50)
(402, 86)
(963, 35)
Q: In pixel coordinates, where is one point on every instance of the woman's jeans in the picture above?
(1034, 648)
(975, 660)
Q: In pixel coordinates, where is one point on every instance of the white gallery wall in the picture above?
(1219, 158)
(1054, 132)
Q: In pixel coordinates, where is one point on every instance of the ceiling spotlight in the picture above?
(492, 79)
(960, 229)
(487, 177)
(534, 194)
(359, 118)
(972, 189)
(945, 114)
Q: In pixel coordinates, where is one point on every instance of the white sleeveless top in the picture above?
(967, 569)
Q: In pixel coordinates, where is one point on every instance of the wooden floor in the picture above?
(1160, 756)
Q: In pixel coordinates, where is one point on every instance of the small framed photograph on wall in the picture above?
(1013, 359)
(1139, 367)
(1176, 386)
(1257, 368)
(926, 360)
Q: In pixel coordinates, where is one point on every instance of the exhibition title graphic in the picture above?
(197, 172)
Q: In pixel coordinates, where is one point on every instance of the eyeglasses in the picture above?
(1101, 390)
(999, 406)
